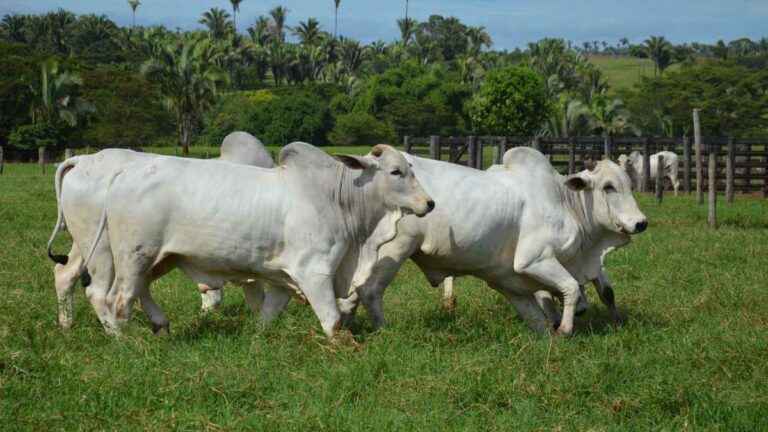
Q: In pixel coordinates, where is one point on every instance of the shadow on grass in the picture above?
(230, 320)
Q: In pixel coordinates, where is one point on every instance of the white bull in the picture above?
(84, 187)
(633, 164)
(522, 230)
(312, 225)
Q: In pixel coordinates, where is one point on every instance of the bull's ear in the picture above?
(355, 162)
(578, 181)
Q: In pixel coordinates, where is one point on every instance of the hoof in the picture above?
(161, 329)
(449, 304)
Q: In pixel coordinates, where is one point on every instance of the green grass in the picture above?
(691, 356)
(624, 72)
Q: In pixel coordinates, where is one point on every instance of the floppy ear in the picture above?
(355, 162)
(578, 181)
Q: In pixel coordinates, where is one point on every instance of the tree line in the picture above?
(92, 82)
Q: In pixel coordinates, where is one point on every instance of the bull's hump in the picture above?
(527, 159)
(305, 155)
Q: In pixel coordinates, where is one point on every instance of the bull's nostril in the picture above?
(641, 226)
(430, 205)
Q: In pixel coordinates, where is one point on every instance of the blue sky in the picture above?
(511, 23)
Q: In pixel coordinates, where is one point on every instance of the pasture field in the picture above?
(623, 72)
(693, 354)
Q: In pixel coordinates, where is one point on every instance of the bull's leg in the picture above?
(65, 277)
(160, 324)
(102, 272)
(275, 300)
(129, 283)
(449, 300)
(211, 297)
(254, 296)
(547, 304)
(319, 291)
(605, 292)
(530, 312)
(549, 272)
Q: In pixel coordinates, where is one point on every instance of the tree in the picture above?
(134, 4)
(279, 16)
(13, 28)
(56, 98)
(188, 78)
(336, 4)
(659, 50)
(407, 27)
(308, 32)
(511, 101)
(609, 117)
(218, 23)
(260, 32)
(235, 10)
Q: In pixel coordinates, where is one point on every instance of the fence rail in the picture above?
(741, 165)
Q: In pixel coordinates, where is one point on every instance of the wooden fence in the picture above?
(741, 164)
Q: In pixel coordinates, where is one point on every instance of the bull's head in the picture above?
(393, 179)
(614, 207)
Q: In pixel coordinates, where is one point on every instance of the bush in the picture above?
(277, 117)
(511, 101)
(29, 137)
(361, 129)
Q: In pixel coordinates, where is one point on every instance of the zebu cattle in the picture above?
(633, 164)
(522, 230)
(84, 185)
(313, 225)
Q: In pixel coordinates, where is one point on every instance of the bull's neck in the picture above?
(359, 205)
(581, 206)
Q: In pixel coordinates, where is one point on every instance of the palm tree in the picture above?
(279, 60)
(235, 10)
(308, 32)
(13, 26)
(407, 27)
(259, 31)
(352, 56)
(566, 119)
(134, 4)
(659, 50)
(609, 117)
(336, 3)
(279, 16)
(59, 23)
(218, 23)
(55, 98)
(188, 78)
(478, 38)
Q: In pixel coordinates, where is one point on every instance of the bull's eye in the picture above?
(609, 189)
(396, 172)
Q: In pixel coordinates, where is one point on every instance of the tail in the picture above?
(100, 230)
(60, 223)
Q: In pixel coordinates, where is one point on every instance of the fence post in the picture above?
(480, 161)
(407, 144)
(41, 158)
(687, 165)
(68, 153)
(608, 147)
(501, 148)
(571, 155)
(699, 162)
(660, 179)
(729, 171)
(712, 215)
(472, 151)
(646, 174)
(434, 147)
(536, 143)
(765, 171)
(2, 160)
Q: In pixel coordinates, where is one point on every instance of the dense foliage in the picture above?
(511, 101)
(95, 83)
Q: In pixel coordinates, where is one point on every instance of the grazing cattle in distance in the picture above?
(522, 229)
(633, 164)
(313, 225)
(82, 182)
